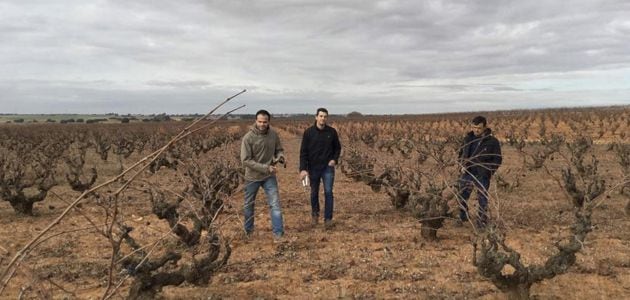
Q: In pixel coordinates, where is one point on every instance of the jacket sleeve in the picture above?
(247, 158)
(460, 155)
(336, 147)
(495, 155)
(304, 151)
(279, 150)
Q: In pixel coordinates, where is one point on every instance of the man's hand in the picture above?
(272, 169)
(331, 163)
(303, 174)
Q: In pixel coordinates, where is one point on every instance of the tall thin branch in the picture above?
(8, 273)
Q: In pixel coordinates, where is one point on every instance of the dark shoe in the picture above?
(328, 224)
(314, 220)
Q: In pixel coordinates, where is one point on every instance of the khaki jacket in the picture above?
(258, 151)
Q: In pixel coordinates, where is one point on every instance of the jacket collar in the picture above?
(317, 128)
(255, 130)
(484, 134)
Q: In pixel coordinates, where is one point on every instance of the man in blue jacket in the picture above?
(319, 154)
(480, 157)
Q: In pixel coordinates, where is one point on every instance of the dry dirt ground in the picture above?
(373, 251)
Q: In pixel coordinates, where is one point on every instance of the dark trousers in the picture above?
(466, 185)
(327, 175)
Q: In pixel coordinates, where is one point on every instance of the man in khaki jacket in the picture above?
(260, 151)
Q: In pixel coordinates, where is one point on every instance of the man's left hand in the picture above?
(331, 163)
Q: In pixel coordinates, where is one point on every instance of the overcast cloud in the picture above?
(294, 56)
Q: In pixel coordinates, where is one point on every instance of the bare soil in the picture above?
(373, 251)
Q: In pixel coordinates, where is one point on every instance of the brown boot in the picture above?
(328, 224)
(280, 239)
(314, 220)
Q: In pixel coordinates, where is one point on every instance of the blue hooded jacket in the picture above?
(481, 155)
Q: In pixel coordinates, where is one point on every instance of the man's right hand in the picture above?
(303, 174)
(272, 169)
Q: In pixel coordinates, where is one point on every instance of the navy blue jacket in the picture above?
(319, 146)
(481, 155)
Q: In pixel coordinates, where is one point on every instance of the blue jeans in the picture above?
(270, 186)
(327, 175)
(466, 184)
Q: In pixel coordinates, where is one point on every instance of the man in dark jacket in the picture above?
(480, 157)
(319, 154)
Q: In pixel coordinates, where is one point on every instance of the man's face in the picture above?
(321, 118)
(478, 129)
(262, 122)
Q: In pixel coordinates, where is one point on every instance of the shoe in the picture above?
(279, 239)
(314, 220)
(246, 235)
(328, 224)
(459, 223)
(481, 225)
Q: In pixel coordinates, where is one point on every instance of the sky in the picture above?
(293, 56)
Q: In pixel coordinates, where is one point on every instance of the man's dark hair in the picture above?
(264, 113)
(479, 120)
(322, 110)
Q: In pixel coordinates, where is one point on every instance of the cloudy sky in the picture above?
(393, 57)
